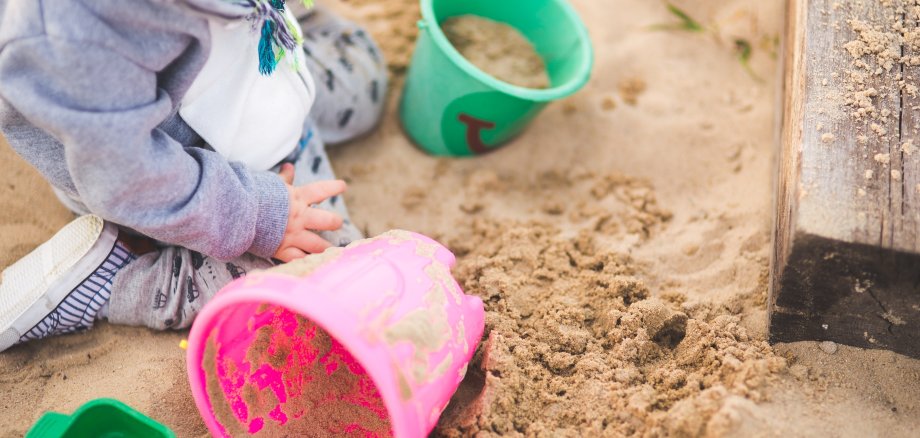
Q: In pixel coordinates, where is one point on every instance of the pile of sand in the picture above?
(577, 346)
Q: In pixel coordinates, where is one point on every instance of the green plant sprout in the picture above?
(686, 23)
(743, 48)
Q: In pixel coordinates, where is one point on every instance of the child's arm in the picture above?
(104, 105)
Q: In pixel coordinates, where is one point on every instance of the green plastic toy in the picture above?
(100, 418)
(450, 107)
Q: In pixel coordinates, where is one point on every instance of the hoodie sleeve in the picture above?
(105, 110)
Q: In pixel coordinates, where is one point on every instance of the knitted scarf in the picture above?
(278, 34)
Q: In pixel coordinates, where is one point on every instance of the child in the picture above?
(189, 133)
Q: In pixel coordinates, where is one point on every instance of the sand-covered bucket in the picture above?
(451, 107)
(369, 340)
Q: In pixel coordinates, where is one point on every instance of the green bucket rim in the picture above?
(578, 80)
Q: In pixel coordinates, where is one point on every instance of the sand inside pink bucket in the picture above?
(327, 392)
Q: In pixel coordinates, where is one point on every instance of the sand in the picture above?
(327, 392)
(616, 227)
(571, 323)
(879, 45)
(497, 49)
(868, 90)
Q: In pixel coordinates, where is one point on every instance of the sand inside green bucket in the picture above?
(497, 49)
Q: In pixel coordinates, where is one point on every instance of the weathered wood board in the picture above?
(846, 262)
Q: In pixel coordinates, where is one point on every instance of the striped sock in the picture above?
(80, 307)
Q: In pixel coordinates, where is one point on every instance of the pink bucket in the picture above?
(373, 342)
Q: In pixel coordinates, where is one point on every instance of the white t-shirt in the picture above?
(244, 115)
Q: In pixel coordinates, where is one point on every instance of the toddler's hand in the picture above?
(298, 240)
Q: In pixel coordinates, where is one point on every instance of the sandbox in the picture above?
(634, 211)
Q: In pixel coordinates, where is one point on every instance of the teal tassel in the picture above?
(277, 4)
(267, 60)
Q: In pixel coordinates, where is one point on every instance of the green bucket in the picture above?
(450, 107)
(99, 418)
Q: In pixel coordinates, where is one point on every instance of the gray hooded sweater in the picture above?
(89, 94)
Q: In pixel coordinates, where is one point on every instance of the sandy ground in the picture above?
(659, 170)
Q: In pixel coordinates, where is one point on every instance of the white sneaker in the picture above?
(60, 286)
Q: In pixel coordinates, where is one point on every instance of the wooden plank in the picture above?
(906, 158)
(845, 265)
